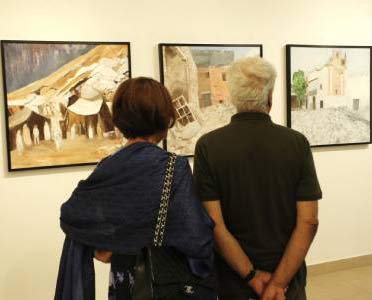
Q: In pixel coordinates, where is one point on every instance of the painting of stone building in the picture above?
(195, 76)
(329, 93)
(58, 99)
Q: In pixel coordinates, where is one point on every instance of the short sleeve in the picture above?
(203, 178)
(308, 188)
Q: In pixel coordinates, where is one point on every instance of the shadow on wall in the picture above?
(2, 123)
(340, 148)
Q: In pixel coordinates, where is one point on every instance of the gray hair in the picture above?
(250, 81)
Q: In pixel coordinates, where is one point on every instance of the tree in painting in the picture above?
(299, 86)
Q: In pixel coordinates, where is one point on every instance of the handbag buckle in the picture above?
(188, 289)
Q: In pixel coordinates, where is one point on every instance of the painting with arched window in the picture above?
(58, 99)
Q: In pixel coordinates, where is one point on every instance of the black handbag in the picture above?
(163, 273)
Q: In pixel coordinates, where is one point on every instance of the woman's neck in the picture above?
(149, 139)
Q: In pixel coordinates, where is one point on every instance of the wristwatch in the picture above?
(250, 276)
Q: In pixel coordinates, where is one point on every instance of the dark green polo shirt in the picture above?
(258, 170)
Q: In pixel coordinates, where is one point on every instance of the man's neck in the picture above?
(255, 111)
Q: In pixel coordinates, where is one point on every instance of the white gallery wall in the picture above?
(30, 238)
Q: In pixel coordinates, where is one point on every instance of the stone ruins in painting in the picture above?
(65, 117)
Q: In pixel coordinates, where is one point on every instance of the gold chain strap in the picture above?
(164, 202)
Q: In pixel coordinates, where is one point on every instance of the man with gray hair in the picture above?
(258, 182)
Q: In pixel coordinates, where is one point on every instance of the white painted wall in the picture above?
(30, 239)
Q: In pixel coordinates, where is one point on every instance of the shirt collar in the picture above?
(257, 116)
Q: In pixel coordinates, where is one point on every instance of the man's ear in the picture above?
(270, 100)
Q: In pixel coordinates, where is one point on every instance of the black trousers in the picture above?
(292, 294)
(296, 294)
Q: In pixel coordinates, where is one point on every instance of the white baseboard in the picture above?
(339, 265)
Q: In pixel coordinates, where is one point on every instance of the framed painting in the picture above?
(195, 75)
(58, 101)
(329, 93)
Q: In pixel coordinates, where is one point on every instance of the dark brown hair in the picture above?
(142, 107)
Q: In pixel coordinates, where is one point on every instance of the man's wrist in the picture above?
(250, 275)
(278, 283)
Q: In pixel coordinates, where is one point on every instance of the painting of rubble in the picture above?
(58, 101)
(330, 92)
(195, 76)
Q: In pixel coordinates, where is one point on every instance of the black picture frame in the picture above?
(3, 44)
(218, 45)
(288, 51)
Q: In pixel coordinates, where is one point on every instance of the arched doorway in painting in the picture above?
(314, 103)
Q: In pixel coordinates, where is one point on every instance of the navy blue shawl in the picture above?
(116, 208)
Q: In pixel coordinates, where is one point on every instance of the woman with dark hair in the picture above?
(112, 215)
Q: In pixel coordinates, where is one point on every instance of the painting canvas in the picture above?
(195, 76)
(329, 93)
(58, 98)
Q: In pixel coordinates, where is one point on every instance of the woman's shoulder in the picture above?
(182, 162)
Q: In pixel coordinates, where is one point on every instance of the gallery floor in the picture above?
(351, 284)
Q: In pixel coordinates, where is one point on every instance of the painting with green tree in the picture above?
(329, 93)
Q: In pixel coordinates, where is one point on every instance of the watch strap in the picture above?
(250, 275)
